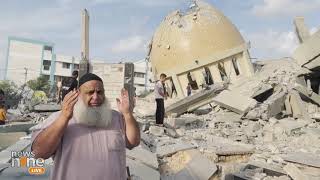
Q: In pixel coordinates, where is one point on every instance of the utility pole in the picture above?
(25, 75)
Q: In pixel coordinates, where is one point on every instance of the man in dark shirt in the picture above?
(70, 84)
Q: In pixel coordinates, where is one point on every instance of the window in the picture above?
(235, 66)
(222, 71)
(139, 75)
(66, 65)
(46, 65)
(47, 48)
(76, 66)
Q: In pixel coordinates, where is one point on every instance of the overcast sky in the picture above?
(121, 29)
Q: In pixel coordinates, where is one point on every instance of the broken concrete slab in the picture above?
(178, 122)
(190, 103)
(224, 146)
(171, 132)
(227, 117)
(16, 127)
(47, 108)
(311, 95)
(288, 105)
(308, 51)
(146, 139)
(197, 168)
(308, 159)
(294, 172)
(276, 103)
(144, 156)
(156, 130)
(289, 126)
(141, 171)
(262, 92)
(255, 171)
(297, 108)
(302, 30)
(170, 149)
(234, 101)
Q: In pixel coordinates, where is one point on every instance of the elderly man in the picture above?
(86, 138)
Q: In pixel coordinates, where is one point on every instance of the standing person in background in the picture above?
(59, 91)
(70, 84)
(160, 95)
(189, 89)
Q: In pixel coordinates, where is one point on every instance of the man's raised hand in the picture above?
(68, 104)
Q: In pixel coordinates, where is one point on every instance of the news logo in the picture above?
(25, 159)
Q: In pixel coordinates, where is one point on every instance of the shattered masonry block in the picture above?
(234, 101)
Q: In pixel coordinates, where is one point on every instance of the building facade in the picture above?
(27, 59)
(143, 79)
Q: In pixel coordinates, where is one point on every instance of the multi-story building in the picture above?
(28, 59)
(143, 79)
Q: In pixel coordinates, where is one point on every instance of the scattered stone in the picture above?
(142, 171)
(303, 158)
(234, 101)
(144, 156)
(156, 130)
(294, 172)
(168, 150)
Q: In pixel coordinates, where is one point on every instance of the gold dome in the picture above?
(182, 39)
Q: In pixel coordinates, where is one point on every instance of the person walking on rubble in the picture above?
(87, 139)
(160, 95)
(59, 91)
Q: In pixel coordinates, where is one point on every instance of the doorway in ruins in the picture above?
(170, 88)
(192, 81)
(235, 66)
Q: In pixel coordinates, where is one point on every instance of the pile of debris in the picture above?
(264, 127)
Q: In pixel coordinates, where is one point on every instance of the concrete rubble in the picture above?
(270, 130)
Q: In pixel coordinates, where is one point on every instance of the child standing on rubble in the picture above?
(3, 114)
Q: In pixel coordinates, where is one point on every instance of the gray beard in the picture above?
(93, 116)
